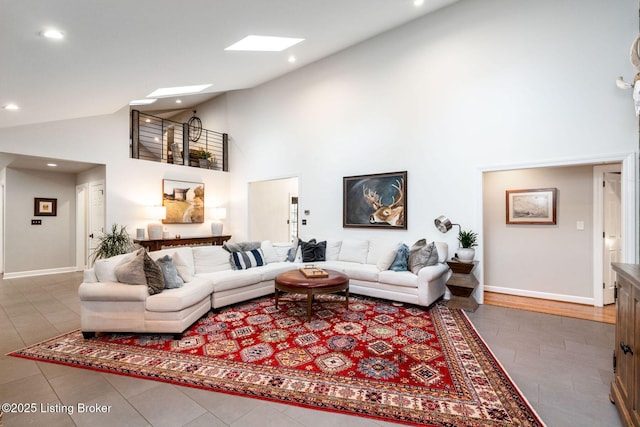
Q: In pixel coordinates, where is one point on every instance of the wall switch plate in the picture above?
(580, 225)
(36, 222)
(304, 222)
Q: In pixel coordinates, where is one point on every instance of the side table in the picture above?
(461, 284)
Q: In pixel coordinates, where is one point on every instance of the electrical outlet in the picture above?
(580, 225)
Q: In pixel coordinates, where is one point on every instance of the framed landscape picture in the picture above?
(184, 201)
(536, 206)
(375, 201)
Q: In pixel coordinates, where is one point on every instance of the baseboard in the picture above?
(19, 274)
(541, 295)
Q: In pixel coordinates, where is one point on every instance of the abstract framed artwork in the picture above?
(535, 206)
(375, 201)
(45, 207)
(184, 201)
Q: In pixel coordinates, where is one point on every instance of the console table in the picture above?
(157, 244)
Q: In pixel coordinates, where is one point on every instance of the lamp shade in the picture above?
(157, 212)
(219, 213)
(443, 224)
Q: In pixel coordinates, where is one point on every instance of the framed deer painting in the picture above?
(375, 201)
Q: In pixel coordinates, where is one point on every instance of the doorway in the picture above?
(273, 210)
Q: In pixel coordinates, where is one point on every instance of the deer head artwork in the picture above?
(391, 213)
(634, 56)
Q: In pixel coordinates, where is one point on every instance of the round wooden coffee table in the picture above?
(295, 282)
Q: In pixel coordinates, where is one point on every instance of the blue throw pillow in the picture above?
(402, 259)
(169, 272)
(247, 259)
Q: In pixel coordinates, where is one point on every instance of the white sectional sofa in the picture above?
(211, 282)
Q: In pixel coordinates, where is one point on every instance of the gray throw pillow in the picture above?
(422, 254)
(155, 278)
(170, 273)
(131, 271)
(241, 246)
(291, 254)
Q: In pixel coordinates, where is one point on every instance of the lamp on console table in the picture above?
(154, 229)
(217, 214)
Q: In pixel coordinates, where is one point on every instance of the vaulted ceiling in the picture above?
(117, 51)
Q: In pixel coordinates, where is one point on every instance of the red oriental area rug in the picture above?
(402, 364)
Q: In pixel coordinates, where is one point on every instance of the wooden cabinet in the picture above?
(625, 388)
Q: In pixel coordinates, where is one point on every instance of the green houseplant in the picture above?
(204, 157)
(468, 239)
(114, 242)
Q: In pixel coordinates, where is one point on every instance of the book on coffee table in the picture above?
(313, 272)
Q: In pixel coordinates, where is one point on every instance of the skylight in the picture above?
(264, 43)
(177, 90)
(143, 101)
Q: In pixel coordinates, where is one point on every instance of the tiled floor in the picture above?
(562, 365)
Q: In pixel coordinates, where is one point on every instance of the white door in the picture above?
(81, 226)
(96, 216)
(612, 233)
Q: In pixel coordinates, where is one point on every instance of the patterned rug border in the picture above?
(361, 411)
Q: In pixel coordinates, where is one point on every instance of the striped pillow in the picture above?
(247, 259)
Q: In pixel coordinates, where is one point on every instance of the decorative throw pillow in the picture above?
(153, 273)
(241, 246)
(270, 254)
(400, 263)
(131, 271)
(385, 261)
(184, 271)
(247, 259)
(422, 255)
(170, 273)
(313, 251)
(291, 254)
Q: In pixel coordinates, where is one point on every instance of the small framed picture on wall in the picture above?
(45, 207)
(535, 206)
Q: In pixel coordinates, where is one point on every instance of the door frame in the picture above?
(598, 227)
(628, 193)
(82, 226)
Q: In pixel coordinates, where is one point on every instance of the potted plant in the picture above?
(204, 158)
(468, 239)
(112, 243)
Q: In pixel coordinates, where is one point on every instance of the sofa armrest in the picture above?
(89, 276)
(432, 272)
(111, 291)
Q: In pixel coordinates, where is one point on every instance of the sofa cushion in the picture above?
(313, 251)
(379, 248)
(333, 250)
(153, 273)
(208, 259)
(398, 278)
(354, 251)
(180, 298)
(421, 255)
(362, 272)
(170, 273)
(271, 270)
(386, 259)
(281, 250)
(241, 260)
(105, 268)
(131, 271)
(401, 262)
(112, 292)
(233, 279)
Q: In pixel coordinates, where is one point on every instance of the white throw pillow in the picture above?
(385, 261)
(208, 259)
(184, 269)
(105, 268)
(269, 252)
(282, 250)
(443, 251)
(354, 251)
(333, 250)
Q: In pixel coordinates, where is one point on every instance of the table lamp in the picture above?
(217, 214)
(154, 229)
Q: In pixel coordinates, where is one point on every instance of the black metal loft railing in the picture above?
(160, 140)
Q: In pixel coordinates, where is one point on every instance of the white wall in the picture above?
(554, 260)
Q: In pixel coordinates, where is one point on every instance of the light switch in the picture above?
(580, 225)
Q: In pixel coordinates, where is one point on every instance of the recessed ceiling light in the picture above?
(178, 90)
(178, 101)
(52, 165)
(418, 2)
(142, 101)
(11, 106)
(53, 34)
(291, 59)
(264, 43)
